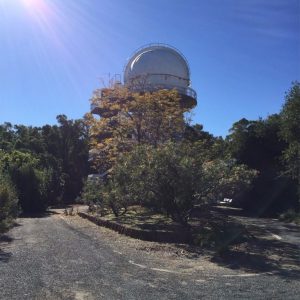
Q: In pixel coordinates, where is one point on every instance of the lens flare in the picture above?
(30, 2)
(33, 4)
(36, 6)
(55, 33)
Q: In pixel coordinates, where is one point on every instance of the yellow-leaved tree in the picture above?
(128, 118)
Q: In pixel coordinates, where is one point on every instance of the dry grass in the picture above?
(142, 218)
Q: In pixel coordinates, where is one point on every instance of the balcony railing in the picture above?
(185, 91)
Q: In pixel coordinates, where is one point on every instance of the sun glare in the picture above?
(31, 2)
(35, 4)
(54, 29)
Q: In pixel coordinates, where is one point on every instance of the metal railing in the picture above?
(187, 91)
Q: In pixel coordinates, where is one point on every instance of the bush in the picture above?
(174, 177)
(290, 216)
(163, 179)
(31, 185)
(92, 194)
(31, 182)
(224, 178)
(8, 203)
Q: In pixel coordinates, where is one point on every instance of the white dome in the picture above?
(158, 65)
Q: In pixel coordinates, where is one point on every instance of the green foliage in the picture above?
(7, 136)
(68, 144)
(54, 157)
(258, 145)
(224, 179)
(290, 115)
(153, 159)
(160, 178)
(129, 118)
(29, 179)
(115, 195)
(175, 177)
(290, 132)
(271, 146)
(290, 216)
(8, 203)
(92, 193)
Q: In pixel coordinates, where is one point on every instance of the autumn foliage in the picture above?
(140, 146)
(130, 118)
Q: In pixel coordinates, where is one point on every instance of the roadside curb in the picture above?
(145, 235)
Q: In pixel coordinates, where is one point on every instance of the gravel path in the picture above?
(273, 228)
(58, 257)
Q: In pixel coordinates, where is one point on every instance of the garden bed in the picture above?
(144, 225)
(209, 230)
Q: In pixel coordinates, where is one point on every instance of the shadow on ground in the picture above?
(4, 240)
(45, 214)
(149, 221)
(4, 256)
(257, 255)
(254, 253)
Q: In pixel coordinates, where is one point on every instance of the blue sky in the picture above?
(243, 54)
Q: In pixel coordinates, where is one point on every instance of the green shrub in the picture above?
(8, 203)
(290, 216)
(31, 185)
(115, 195)
(163, 179)
(174, 177)
(171, 179)
(92, 194)
(31, 181)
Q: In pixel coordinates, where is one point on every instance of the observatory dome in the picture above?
(159, 66)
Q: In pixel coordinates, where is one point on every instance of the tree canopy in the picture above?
(128, 118)
(155, 158)
(290, 132)
(46, 164)
(271, 146)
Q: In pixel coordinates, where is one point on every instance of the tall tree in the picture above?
(8, 202)
(7, 136)
(257, 144)
(62, 150)
(129, 118)
(29, 178)
(67, 151)
(290, 132)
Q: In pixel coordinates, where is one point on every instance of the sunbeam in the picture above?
(32, 3)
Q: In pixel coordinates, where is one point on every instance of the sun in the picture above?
(37, 8)
(34, 4)
(31, 2)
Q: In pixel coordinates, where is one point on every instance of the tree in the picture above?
(8, 203)
(129, 118)
(67, 145)
(7, 137)
(257, 144)
(176, 176)
(92, 193)
(30, 180)
(195, 133)
(290, 133)
(59, 155)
